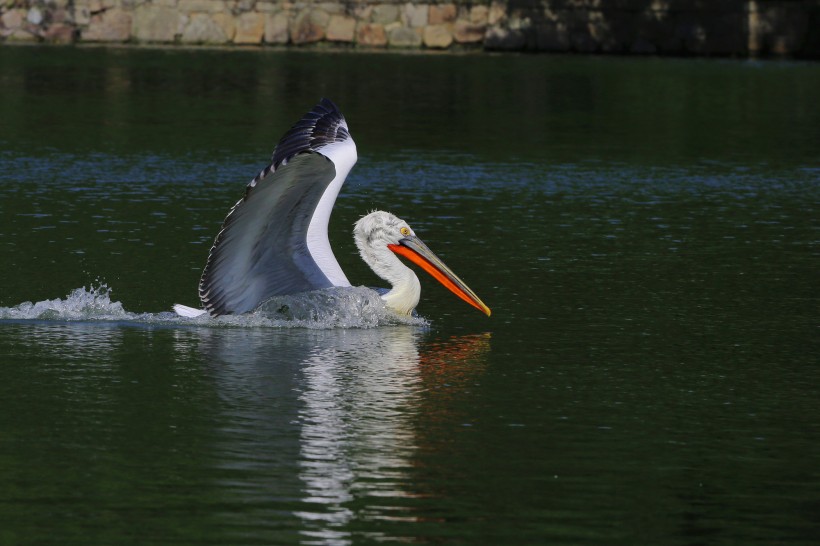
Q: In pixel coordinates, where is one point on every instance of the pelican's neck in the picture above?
(406, 289)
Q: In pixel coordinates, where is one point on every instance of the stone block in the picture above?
(94, 6)
(341, 28)
(13, 18)
(319, 17)
(267, 7)
(21, 35)
(304, 31)
(371, 35)
(497, 13)
(59, 33)
(227, 23)
(242, 6)
(113, 25)
(438, 36)
(182, 22)
(465, 32)
(479, 15)
(59, 15)
(250, 28)
(385, 13)
(202, 6)
(34, 16)
(155, 23)
(276, 29)
(362, 12)
(403, 37)
(81, 15)
(441, 13)
(202, 28)
(415, 15)
(332, 8)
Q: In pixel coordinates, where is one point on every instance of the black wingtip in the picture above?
(323, 125)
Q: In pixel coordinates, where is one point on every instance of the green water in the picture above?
(645, 231)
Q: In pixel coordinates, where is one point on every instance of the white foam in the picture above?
(81, 304)
(337, 307)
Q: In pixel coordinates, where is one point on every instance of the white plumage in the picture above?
(275, 241)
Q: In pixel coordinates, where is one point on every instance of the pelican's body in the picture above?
(275, 242)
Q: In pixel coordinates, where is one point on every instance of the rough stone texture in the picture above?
(250, 28)
(267, 7)
(319, 17)
(59, 15)
(59, 33)
(362, 12)
(226, 23)
(676, 27)
(34, 16)
(13, 19)
(112, 25)
(438, 36)
(201, 6)
(276, 29)
(496, 13)
(371, 35)
(341, 28)
(155, 23)
(442, 13)
(241, 6)
(403, 37)
(81, 15)
(465, 32)
(21, 35)
(385, 13)
(415, 15)
(304, 31)
(479, 15)
(202, 28)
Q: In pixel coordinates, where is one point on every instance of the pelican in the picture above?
(274, 241)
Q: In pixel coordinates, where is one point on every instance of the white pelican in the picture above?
(274, 241)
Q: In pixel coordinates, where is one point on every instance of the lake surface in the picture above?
(646, 232)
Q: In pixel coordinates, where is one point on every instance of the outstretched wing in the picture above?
(274, 241)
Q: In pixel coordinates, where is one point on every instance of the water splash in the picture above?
(81, 304)
(338, 307)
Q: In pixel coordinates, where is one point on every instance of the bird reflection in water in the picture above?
(326, 421)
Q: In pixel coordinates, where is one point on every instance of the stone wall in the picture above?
(665, 27)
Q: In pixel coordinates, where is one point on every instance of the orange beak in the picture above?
(417, 252)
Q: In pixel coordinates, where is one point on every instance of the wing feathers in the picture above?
(274, 240)
(321, 126)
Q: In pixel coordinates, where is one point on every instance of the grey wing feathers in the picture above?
(261, 250)
(323, 125)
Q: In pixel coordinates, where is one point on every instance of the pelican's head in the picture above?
(380, 236)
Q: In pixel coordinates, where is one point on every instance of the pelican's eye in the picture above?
(405, 231)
